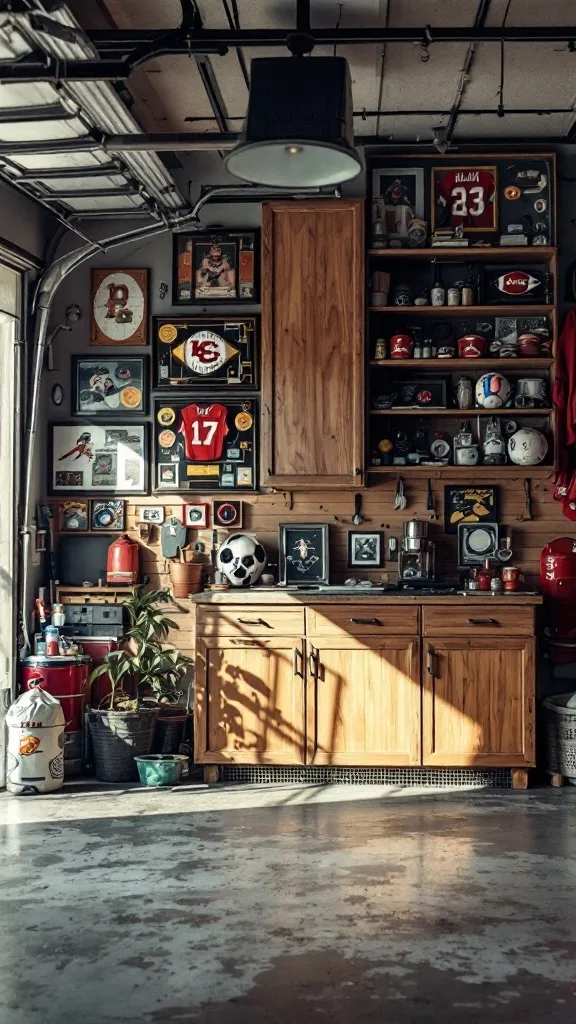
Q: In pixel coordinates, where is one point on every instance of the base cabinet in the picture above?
(478, 701)
(249, 706)
(363, 701)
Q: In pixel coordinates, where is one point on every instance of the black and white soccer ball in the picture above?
(241, 559)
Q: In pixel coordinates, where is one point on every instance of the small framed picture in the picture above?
(469, 505)
(215, 266)
(303, 553)
(72, 516)
(152, 514)
(108, 515)
(365, 549)
(101, 386)
(227, 514)
(196, 516)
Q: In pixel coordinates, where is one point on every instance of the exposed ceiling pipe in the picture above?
(172, 142)
(479, 22)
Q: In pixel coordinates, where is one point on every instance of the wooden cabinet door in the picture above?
(249, 701)
(363, 701)
(478, 701)
(312, 343)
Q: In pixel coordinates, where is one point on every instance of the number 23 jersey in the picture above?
(203, 428)
(465, 195)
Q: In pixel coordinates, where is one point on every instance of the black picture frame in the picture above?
(317, 537)
(240, 249)
(463, 499)
(236, 467)
(114, 403)
(471, 553)
(107, 435)
(115, 507)
(377, 559)
(230, 359)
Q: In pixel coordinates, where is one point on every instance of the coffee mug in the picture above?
(511, 577)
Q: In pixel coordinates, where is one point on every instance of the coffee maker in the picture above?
(417, 553)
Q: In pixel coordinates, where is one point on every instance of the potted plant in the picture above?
(143, 675)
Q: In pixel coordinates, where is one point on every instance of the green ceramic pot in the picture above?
(160, 769)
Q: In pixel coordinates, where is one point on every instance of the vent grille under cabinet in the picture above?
(488, 778)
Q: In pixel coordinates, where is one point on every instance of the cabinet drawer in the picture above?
(361, 620)
(477, 619)
(249, 621)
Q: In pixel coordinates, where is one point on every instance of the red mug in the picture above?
(511, 577)
(401, 346)
(472, 346)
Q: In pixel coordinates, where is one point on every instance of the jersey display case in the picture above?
(203, 443)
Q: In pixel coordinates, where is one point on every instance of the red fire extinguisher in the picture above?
(123, 561)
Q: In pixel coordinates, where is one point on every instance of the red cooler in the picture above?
(97, 647)
(66, 678)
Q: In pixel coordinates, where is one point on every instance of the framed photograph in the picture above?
(104, 386)
(227, 514)
(108, 516)
(205, 444)
(205, 351)
(119, 307)
(196, 516)
(72, 517)
(365, 549)
(215, 266)
(476, 543)
(469, 505)
(421, 393)
(303, 550)
(400, 186)
(93, 458)
(465, 197)
(154, 515)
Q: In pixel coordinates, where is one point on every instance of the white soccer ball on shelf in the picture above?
(527, 447)
(492, 391)
(241, 559)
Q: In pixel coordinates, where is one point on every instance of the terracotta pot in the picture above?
(185, 577)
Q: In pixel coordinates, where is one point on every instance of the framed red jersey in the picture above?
(465, 197)
(203, 428)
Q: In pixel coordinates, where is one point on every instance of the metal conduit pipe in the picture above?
(46, 289)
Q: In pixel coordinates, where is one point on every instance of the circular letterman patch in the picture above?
(385, 445)
(167, 333)
(512, 192)
(243, 421)
(166, 416)
(166, 438)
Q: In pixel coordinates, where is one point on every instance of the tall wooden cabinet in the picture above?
(312, 343)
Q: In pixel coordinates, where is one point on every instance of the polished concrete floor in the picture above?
(288, 905)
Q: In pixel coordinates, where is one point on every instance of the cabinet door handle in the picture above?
(366, 622)
(430, 662)
(483, 622)
(251, 622)
(313, 662)
(297, 653)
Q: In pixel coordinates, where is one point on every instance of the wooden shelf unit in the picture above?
(468, 473)
(464, 414)
(464, 364)
(469, 254)
(466, 311)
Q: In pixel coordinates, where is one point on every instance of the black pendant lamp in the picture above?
(298, 131)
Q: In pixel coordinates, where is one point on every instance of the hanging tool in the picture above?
(527, 513)
(357, 517)
(399, 499)
(430, 499)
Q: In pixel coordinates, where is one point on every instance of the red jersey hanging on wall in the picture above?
(465, 196)
(203, 428)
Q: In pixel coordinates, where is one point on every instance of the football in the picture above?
(241, 559)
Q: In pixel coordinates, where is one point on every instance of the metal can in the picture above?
(496, 585)
(51, 635)
(454, 296)
(467, 295)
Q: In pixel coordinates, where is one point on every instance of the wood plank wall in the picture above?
(263, 512)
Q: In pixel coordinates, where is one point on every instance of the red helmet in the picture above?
(472, 346)
(401, 346)
(529, 344)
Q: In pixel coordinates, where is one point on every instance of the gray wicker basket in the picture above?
(117, 738)
(560, 724)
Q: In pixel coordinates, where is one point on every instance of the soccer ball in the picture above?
(527, 447)
(492, 391)
(241, 559)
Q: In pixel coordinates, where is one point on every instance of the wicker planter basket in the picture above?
(117, 738)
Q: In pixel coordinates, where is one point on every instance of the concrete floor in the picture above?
(284, 904)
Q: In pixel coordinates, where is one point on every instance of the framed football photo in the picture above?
(215, 267)
(205, 351)
(119, 307)
(103, 386)
(93, 458)
(465, 197)
(205, 444)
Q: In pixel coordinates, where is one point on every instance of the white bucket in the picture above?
(35, 754)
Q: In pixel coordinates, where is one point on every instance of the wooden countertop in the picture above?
(265, 596)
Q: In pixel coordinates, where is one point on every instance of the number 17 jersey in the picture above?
(203, 428)
(466, 195)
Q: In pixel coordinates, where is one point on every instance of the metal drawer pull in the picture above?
(313, 662)
(252, 622)
(366, 622)
(297, 671)
(483, 622)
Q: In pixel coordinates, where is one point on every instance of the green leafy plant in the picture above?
(145, 660)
